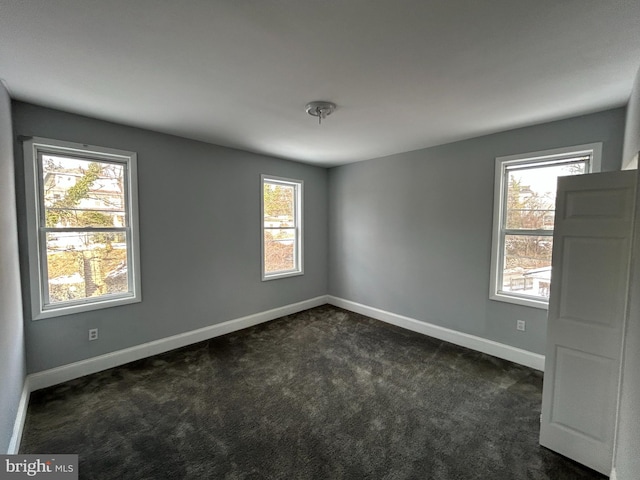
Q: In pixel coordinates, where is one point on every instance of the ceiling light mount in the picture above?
(320, 109)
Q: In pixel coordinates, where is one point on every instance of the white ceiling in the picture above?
(405, 74)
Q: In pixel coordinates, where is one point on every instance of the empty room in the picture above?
(302, 239)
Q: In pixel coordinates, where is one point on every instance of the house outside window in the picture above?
(282, 246)
(82, 227)
(524, 212)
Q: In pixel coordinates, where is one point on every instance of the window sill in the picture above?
(275, 276)
(518, 300)
(61, 310)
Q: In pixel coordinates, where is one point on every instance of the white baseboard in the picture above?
(64, 373)
(21, 416)
(54, 376)
(500, 350)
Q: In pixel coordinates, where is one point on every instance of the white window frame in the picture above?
(594, 150)
(299, 235)
(33, 149)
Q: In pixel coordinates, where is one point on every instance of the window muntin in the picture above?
(281, 227)
(82, 214)
(524, 213)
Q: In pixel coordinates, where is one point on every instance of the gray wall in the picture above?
(632, 127)
(200, 238)
(411, 233)
(627, 460)
(12, 354)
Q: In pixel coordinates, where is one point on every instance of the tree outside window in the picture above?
(82, 235)
(88, 195)
(524, 220)
(281, 227)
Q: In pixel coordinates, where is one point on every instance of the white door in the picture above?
(587, 305)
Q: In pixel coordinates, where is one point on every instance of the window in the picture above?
(281, 227)
(82, 227)
(524, 209)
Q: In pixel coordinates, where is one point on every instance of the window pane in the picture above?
(279, 250)
(82, 265)
(82, 193)
(279, 205)
(527, 264)
(531, 194)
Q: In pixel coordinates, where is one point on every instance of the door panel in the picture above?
(576, 398)
(587, 305)
(584, 298)
(604, 204)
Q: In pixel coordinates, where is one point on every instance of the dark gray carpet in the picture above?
(323, 394)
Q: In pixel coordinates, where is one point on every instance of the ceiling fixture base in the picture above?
(320, 109)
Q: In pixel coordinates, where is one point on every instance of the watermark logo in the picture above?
(50, 467)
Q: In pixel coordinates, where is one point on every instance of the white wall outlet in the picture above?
(520, 325)
(93, 334)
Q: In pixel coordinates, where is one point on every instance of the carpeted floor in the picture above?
(322, 394)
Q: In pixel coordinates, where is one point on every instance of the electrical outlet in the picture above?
(93, 334)
(520, 325)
